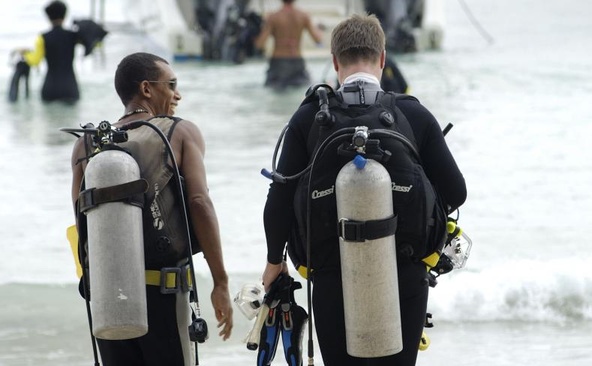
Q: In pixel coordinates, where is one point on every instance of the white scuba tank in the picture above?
(369, 269)
(116, 252)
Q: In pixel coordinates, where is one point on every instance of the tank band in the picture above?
(130, 192)
(359, 231)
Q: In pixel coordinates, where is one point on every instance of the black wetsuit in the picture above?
(60, 81)
(442, 171)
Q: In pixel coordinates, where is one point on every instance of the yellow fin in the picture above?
(72, 235)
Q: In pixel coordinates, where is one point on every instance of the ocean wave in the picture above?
(519, 290)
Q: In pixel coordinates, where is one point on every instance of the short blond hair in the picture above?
(358, 38)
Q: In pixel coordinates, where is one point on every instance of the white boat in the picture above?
(222, 30)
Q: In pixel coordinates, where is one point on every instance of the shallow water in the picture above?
(522, 118)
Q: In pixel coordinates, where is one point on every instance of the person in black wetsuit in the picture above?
(57, 47)
(358, 49)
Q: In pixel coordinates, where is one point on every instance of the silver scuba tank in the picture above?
(116, 252)
(363, 192)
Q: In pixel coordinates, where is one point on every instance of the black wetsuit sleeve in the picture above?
(437, 160)
(278, 214)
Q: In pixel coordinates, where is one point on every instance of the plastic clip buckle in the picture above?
(86, 200)
(163, 280)
(350, 230)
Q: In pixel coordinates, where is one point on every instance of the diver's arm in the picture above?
(314, 31)
(34, 58)
(277, 219)
(201, 208)
(264, 34)
(278, 214)
(443, 170)
(437, 160)
(189, 141)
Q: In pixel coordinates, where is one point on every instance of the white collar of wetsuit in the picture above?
(368, 78)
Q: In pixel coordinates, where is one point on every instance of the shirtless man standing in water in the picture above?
(286, 26)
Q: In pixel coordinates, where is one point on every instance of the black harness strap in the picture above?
(130, 192)
(359, 231)
(390, 100)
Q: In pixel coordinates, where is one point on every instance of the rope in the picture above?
(475, 22)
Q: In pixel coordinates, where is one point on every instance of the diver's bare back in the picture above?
(287, 26)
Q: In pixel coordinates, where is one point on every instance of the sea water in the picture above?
(522, 119)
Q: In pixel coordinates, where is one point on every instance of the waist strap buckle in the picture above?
(165, 285)
(174, 279)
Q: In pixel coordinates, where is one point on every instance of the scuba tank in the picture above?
(116, 252)
(368, 259)
(115, 241)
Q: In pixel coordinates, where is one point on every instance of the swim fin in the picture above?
(72, 236)
(270, 333)
(284, 317)
(293, 322)
(21, 72)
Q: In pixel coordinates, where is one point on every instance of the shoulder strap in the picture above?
(169, 132)
(333, 99)
(311, 93)
(176, 120)
(389, 100)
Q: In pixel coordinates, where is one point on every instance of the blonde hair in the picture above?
(358, 38)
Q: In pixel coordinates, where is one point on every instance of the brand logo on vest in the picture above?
(157, 222)
(318, 194)
(404, 189)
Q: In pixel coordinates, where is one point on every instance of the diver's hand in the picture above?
(272, 271)
(223, 310)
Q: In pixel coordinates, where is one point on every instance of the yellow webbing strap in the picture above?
(153, 278)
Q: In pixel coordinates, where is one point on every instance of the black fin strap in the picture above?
(359, 231)
(130, 192)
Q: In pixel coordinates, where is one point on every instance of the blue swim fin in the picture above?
(270, 333)
(294, 318)
(293, 322)
(285, 317)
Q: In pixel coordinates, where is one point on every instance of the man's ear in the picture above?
(144, 89)
(335, 64)
(383, 59)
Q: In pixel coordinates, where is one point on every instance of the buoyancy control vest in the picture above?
(421, 223)
(165, 238)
